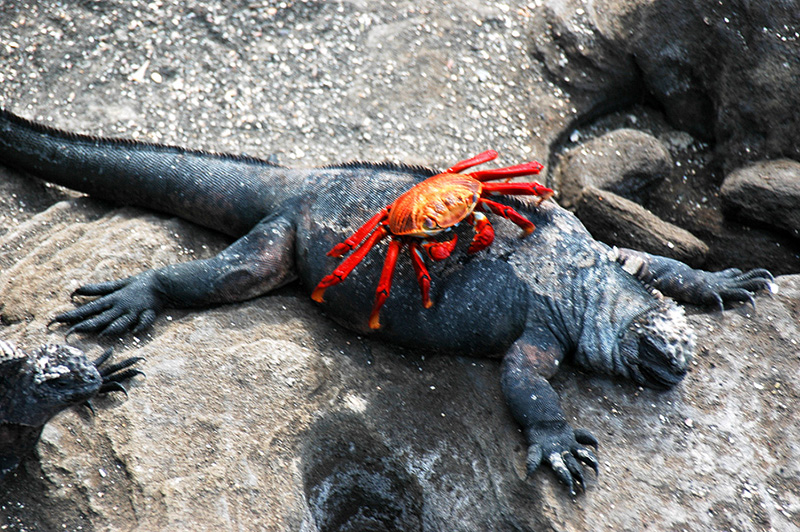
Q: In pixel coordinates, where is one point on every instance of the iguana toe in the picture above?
(584, 437)
(559, 466)
(534, 458)
(588, 458)
(122, 306)
(100, 289)
(116, 374)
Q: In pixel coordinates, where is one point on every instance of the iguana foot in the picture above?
(124, 305)
(697, 287)
(114, 376)
(564, 449)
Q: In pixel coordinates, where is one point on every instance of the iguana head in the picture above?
(38, 385)
(656, 348)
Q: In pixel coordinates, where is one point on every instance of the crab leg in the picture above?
(347, 265)
(481, 158)
(508, 213)
(484, 232)
(355, 239)
(385, 282)
(423, 277)
(518, 189)
(531, 168)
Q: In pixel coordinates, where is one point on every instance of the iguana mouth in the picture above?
(658, 346)
(657, 371)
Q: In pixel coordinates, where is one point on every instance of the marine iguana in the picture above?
(36, 386)
(533, 301)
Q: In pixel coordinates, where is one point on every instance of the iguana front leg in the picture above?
(253, 265)
(534, 404)
(697, 287)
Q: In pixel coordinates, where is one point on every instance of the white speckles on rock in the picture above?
(302, 62)
(355, 403)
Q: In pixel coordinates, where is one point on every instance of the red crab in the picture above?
(431, 207)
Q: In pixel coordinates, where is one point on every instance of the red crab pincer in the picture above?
(433, 206)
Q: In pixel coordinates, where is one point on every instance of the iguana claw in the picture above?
(733, 285)
(585, 437)
(114, 375)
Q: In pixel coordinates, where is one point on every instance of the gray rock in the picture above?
(727, 73)
(766, 192)
(626, 161)
(621, 222)
(579, 54)
(266, 415)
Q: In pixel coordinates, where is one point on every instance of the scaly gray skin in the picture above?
(36, 386)
(533, 300)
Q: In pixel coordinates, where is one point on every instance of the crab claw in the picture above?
(343, 248)
(385, 282)
(519, 170)
(440, 250)
(347, 265)
(481, 158)
(508, 213)
(484, 233)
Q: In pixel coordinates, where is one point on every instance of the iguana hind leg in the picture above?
(260, 261)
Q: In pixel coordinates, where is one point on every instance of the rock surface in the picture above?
(265, 415)
(723, 72)
(767, 192)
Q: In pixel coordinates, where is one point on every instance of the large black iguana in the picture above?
(534, 301)
(36, 386)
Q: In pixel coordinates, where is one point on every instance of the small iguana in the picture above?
(533, 301)
(36, 386)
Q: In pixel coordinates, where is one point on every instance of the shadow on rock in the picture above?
(352, 482)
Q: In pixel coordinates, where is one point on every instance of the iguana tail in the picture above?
(224, 192)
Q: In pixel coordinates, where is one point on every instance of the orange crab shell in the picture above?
(434, 205)
(428, 208)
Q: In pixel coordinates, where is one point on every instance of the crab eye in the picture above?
(429, 223)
